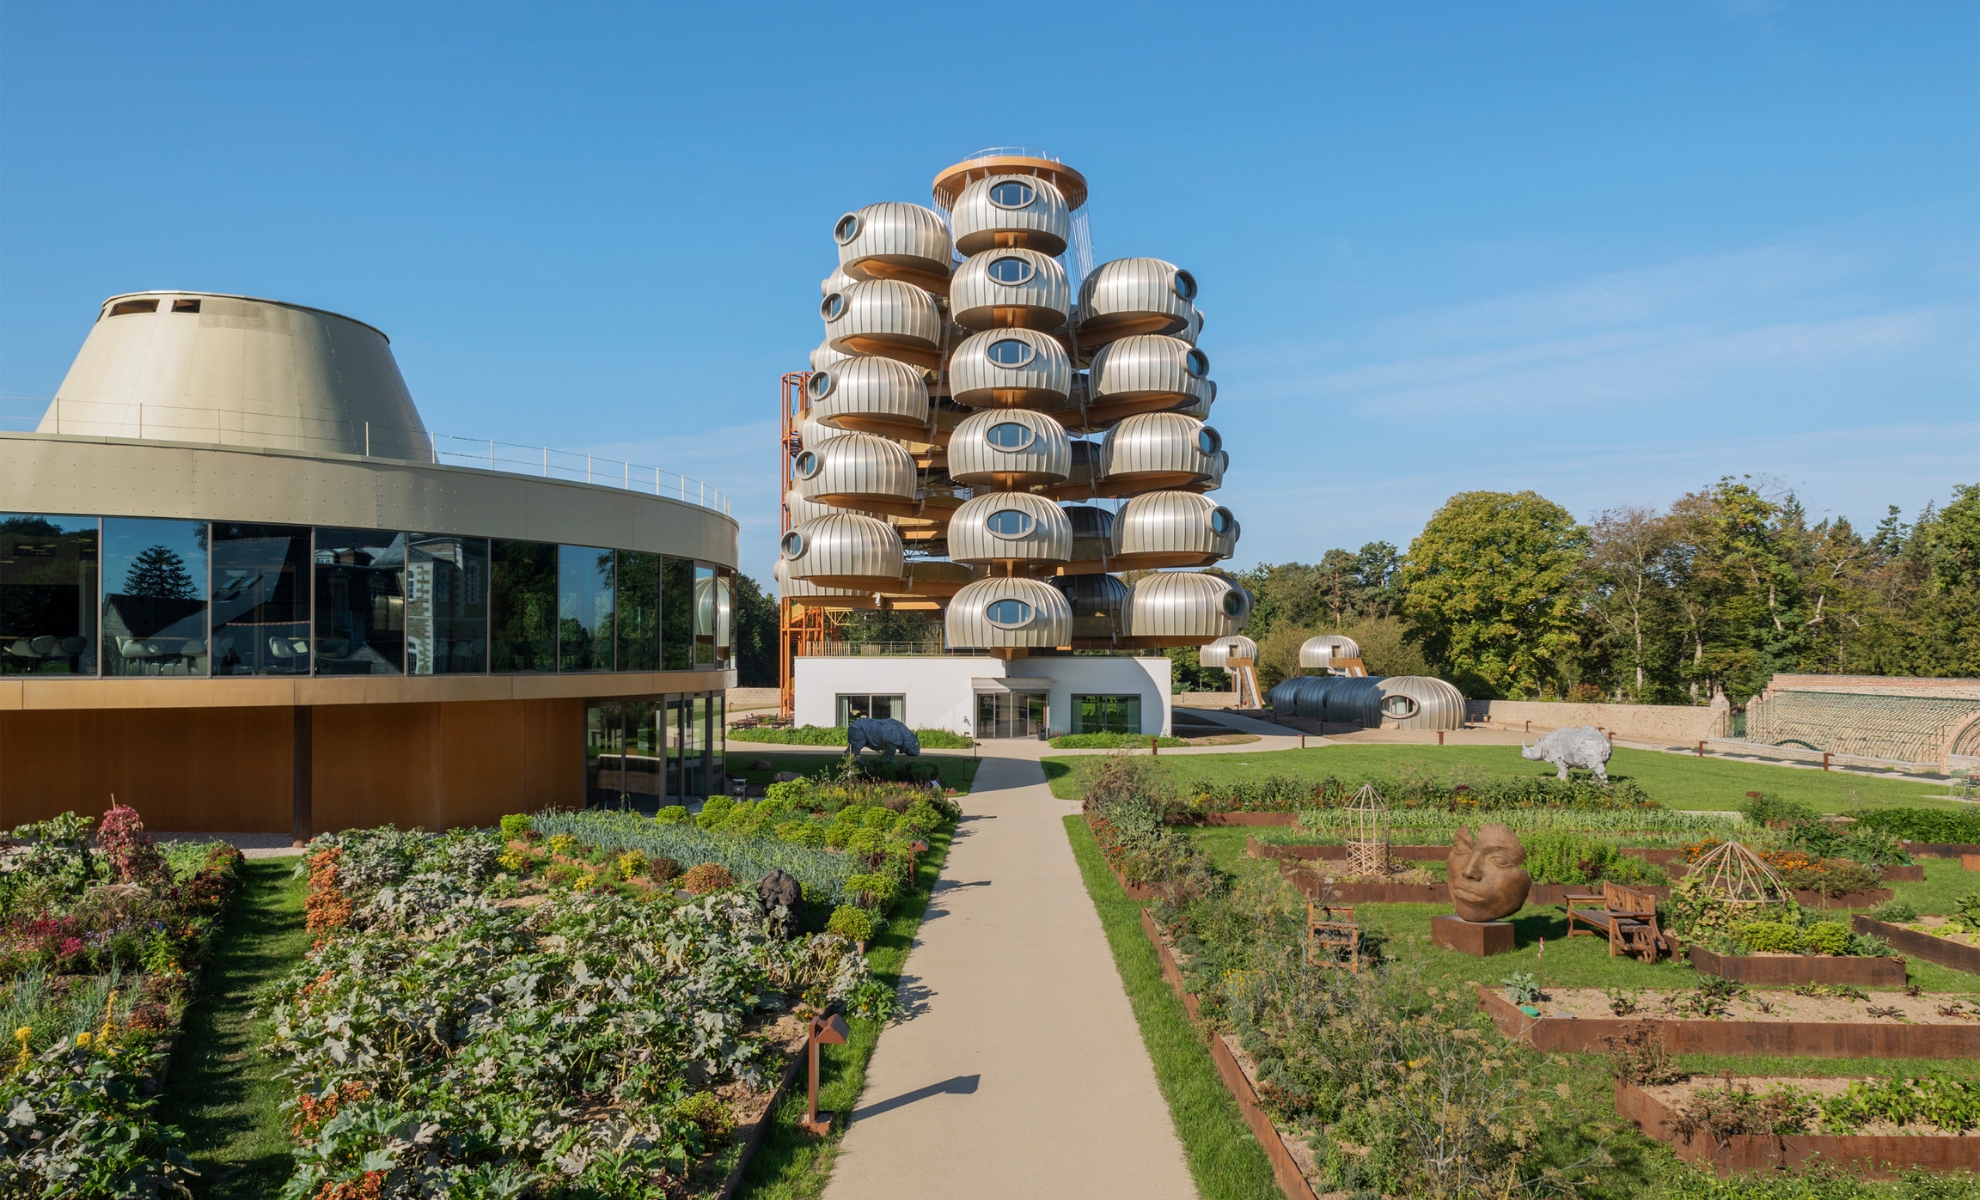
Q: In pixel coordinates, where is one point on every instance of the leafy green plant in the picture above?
(708, 877)
(1827, 937)
(1112, 741)
(1936, 1100)
(515, 827)
(1772, 937)
(852, 923)
(1968, 907)
(1895, 911)
(673, 814)
(1933, 825)
(1522, 988)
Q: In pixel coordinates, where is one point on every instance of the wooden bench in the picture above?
(1626, 916)
(1332, 937)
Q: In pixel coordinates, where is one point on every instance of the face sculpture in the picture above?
(1488, 873)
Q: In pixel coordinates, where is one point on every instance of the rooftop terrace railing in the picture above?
(368, 439)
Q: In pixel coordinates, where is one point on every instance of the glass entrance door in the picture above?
(1009, 714)
(622, 755)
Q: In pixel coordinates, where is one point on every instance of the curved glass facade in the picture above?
(198, 598)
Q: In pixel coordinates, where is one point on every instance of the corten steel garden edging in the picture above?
(1785, 970)
(1135, 891)
(1875, 1157)
(752, 1137)
(1923, 945)
(1802, 1039)
(1940, 849)
(1286, 1171)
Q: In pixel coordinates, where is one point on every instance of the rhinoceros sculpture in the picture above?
(884, 734)
(1584, 747)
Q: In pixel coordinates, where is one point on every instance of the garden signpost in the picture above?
(830, 1031)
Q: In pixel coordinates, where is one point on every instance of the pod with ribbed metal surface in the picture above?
(1010, 289)
(812, 432)
(823, 356)
(884, 317)
(1172, 529)
(1008, 613)
(803, 510)
(844, 549)
(1003, 211)
(1200, 407)
(1194, 330)
(871, 395)
(1411, 702)
(1346, 701)
(837, 281)
(1182, 608)
(1219, 463)
(1159, 450)
(1099, 607)
(1009, 448)
(1133, 295)
(1093, 538)
(1010, 368)
(809, 592)
(1008, 528)
(1327, 651)
(1221, 652)
(894, 240)
(1145, 373)
(858, 471)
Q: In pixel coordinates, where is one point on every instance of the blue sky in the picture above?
(1606, 252)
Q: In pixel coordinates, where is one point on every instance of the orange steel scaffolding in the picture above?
(800, 628)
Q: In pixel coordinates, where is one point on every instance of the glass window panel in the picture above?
(670, 731)
(360, 602)
(697, 746)
(718, 767)
(154, 597)
(47, 595)
(523, 606)
(1106, 714)
(638, 610)
(260, 611)
(446, 605)
(704, 616)
(676, 613)
(584, 608)
(724, 616)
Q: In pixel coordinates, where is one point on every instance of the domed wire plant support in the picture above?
(1368, 833)
(1732, 874)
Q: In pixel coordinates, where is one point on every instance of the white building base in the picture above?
(941, 692)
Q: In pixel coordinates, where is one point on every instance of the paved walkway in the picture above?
(1020, 1072)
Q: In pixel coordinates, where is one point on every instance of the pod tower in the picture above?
(997, 429)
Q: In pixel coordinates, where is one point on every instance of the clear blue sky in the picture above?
(1607, 252)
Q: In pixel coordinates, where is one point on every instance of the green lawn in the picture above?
(1224, 1157)
(1671, 779)
(791, 1164)
(958, 769)
(222, 1092)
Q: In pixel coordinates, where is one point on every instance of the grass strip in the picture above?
(792, 1164)
(1225, 1159)
(220, 1090)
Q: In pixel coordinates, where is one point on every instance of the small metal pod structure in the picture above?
(1009, 448)
(858, 471)
(812, 432)
(802, 510)
(1092, 538)
(1005, 211)
(1133, 295)
(1297, 696)
(1010, 368)
(1327, 650)
(895, 240)
(837, 281)
(1221, 652)
(1145, 373)
(1172, 529)
(1200, 407)
(887, 318)
(1412, 702)
(1083, 476)
(1219, 463)
(1099, 607)
(1009, 528)
(1008, 613)
(1346, 699)
(844, 549)
(1194, 329)
(823, 357)
(1010, 289)
(1184, 608)
(871, 395)
(805, 590)
(1158, 450)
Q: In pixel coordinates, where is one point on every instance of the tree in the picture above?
(755, 632)
(158, 572)
(1626, 549)
(1489, 590)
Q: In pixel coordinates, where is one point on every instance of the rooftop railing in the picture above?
(367, 439)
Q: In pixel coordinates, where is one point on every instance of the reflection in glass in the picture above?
(360, 602)
(47, 595)
(857, 707)
(718, 775)
(725, 622)
(524, 616)
(154, 597)
(695, 709)
(1009, 714)
(704, 616)
(447, 605)
(260, 613)
(584, 609)
(638, 611)
(676, 613)
(670, 734)
(1106, 714)
(622, 755)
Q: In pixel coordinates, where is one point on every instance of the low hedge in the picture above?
(1112, 741)
(1921, 824)
(835, 735)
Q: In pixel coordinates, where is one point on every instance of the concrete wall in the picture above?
(1661, 724)
(940, 694)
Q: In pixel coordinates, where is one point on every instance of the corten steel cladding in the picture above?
(1488, 878)
(958, 354)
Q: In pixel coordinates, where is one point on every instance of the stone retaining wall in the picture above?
(1660, 724)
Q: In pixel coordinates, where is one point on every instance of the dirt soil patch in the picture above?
(1675, 1095)
(1770, 1005)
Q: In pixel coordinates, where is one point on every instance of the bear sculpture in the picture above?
(780, 893)
(885, 735)
(1584, 747)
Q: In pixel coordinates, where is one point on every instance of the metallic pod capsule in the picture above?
(1010, 289)
(1008, 613)
(1005, 211)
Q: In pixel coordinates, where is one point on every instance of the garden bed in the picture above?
(1232, 1069)
(1783, 970)
(1581, 1020)
(1885, 1153)
(1960, 955)
(1315, 885)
